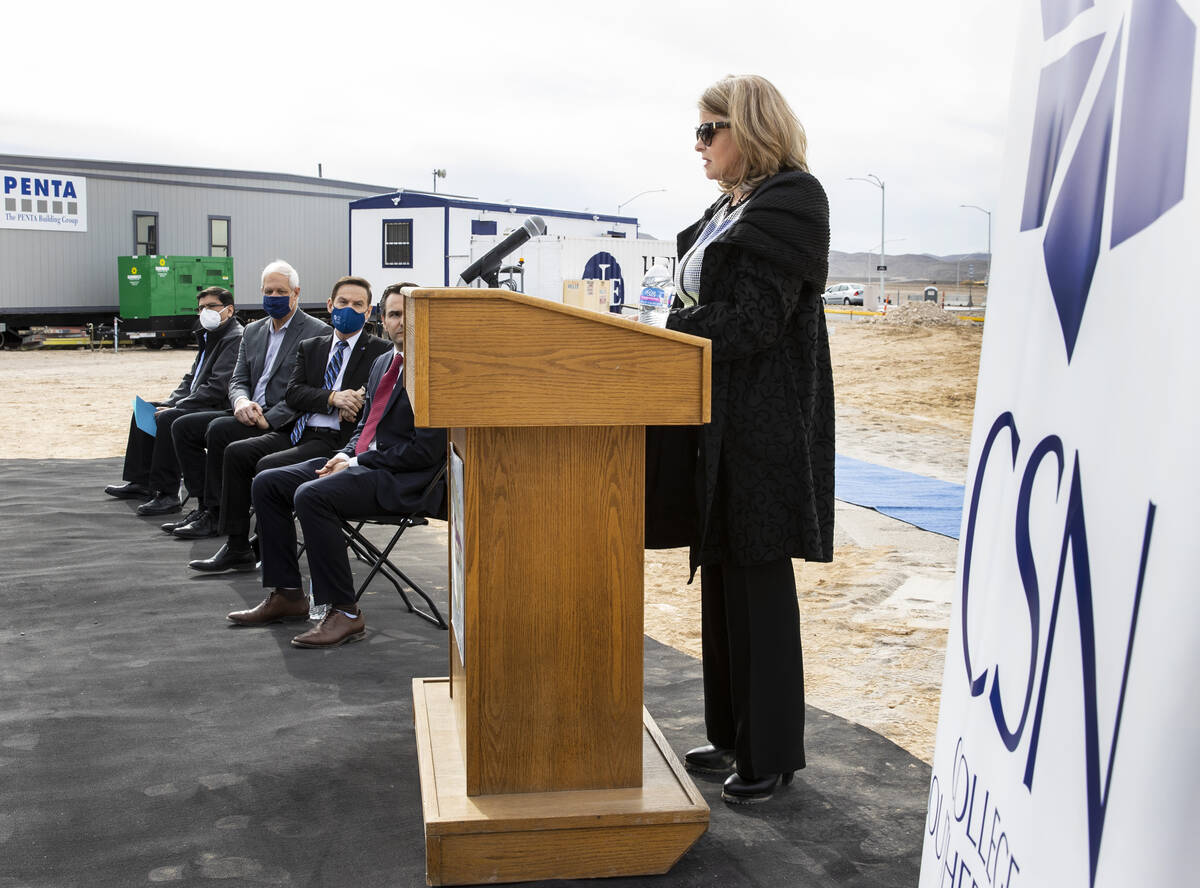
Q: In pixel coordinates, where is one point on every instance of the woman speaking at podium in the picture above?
(749, 278)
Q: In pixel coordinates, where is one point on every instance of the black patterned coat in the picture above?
(764, 482)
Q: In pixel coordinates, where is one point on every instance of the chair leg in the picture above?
(435, 616)
(378, 559)
(360, 550)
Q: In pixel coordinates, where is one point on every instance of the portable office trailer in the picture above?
(64, 222)
(426, 238)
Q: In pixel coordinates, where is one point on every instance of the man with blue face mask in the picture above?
(326, 390)
(256, 394)
(151, 469)
(387, 467)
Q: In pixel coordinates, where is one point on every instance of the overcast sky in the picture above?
(558, 104)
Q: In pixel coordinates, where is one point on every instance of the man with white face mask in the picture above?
(151, 466)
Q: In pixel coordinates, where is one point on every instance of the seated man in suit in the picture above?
(256, 394)
(328, 386)
(151, 469)
(385, 468)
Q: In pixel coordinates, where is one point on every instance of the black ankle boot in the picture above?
(709, 759)
(749, 790)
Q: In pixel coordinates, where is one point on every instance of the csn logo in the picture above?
(1134, 154)
(1148, 139)
(1018, 702)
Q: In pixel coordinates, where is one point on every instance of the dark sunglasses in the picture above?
(706, 131)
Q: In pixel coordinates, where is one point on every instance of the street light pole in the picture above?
(636, 196)
(870, 251)
(989, 252)
(872, 179)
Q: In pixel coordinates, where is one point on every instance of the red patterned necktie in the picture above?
(379, 402)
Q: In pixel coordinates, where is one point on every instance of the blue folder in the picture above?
(143, 415)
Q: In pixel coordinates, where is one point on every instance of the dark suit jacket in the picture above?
(405, 458)
(306, 393)
(252, 358)
(212, 369)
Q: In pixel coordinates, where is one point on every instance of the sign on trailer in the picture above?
(43, 201)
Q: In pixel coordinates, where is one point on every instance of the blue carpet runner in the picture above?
(923, 502)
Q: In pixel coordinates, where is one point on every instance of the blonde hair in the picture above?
(765, 129)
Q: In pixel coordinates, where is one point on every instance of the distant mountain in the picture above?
(859, 268)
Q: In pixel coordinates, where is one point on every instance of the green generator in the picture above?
(158, 294)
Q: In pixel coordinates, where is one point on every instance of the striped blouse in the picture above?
(687, 282)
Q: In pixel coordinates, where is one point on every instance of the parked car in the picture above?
(843, 294)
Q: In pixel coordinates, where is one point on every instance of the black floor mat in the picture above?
(145, 740)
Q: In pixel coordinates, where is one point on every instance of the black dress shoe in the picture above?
(741, 790)
(129, 490)
(202, 526)
(709, 760)
(163, 504)
(170, 526)
(225, 559)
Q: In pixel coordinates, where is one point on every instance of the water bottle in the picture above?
(658, 292)
(316, 612)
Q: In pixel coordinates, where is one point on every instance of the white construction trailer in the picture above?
(429, 239)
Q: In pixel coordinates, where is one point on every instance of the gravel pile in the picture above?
(920, 314)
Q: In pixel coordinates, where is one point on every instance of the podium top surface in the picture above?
(497, 358)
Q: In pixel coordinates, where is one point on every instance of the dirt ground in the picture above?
(874, 621)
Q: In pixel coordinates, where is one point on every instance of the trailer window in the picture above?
(218, 235)
(145, 234)
(397, 243)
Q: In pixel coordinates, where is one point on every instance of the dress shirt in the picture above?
(333, 420)
(353, 460)
(274, 341)
(199, 363)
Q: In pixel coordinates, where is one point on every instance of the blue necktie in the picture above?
(331, 374)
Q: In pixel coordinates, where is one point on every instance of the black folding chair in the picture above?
(379, 559)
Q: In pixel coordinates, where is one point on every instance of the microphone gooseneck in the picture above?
(487, 266)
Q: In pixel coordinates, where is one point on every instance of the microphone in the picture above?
(488, 266)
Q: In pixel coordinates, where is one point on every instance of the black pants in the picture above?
(246, 458)
(221, 432)
(753, 669)
(320, 504)
(189, 433)
(150, 459)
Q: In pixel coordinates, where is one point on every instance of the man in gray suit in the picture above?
(256, 395)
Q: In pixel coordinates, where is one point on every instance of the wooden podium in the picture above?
(537, 759)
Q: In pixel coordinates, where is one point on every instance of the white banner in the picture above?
(43, 201)
(1068, 746)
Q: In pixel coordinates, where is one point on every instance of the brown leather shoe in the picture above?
(334, 630)
(275, 608)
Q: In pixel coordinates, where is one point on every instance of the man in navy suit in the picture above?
(327, 387)
(385, 468)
